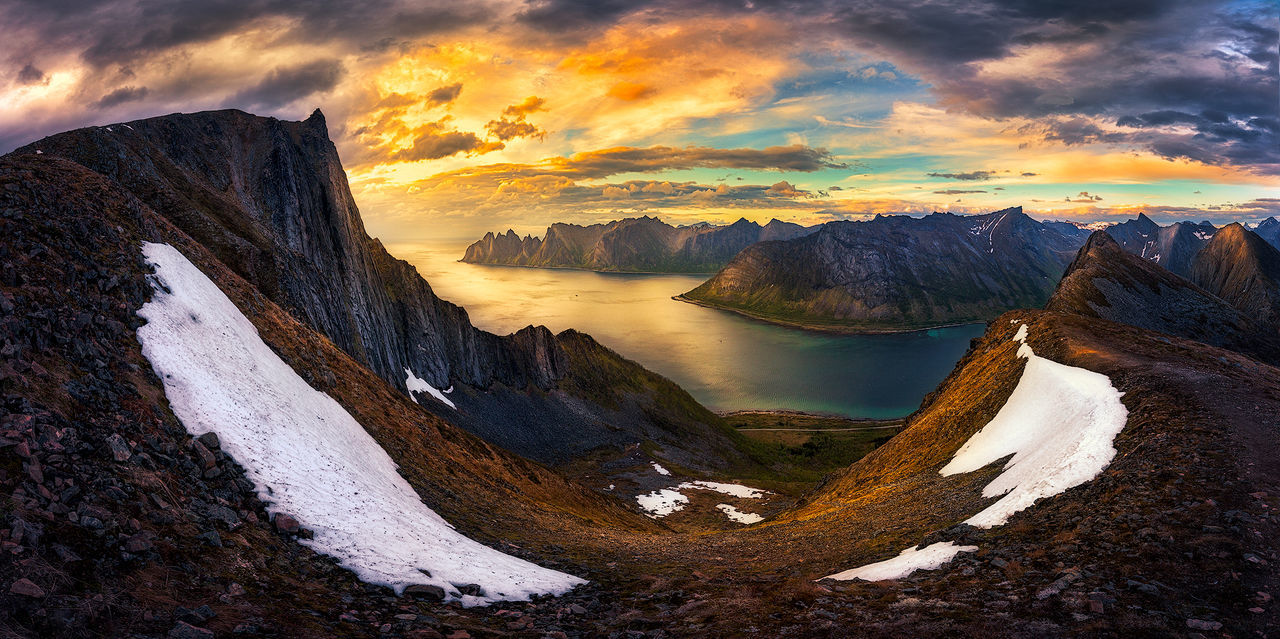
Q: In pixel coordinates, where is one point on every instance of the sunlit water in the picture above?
(726, 361)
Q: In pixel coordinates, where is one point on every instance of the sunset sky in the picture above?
(465, 117)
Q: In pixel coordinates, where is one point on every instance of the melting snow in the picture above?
(737, 490)
(419, 385)
(1059, 424)
(739, 516)
(306, 455)
(662, 502)
(658, 467)
(909, 561)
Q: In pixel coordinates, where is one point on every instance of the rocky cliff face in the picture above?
(1173, 247)
(644, 244)
(1243, 269)
(897, 272)
(270, 200)
(1108, 282)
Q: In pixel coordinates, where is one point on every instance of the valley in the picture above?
(148, 304)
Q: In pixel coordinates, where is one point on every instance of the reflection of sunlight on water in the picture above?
(726, 361)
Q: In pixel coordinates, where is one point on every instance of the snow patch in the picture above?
(1058, 424)
(419, 385)
(737, 515)
(662, 502)
(736, 490)
(658, 467)
(909, 561)
(305, 454)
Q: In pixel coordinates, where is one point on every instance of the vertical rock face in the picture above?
(1243, 269)
(644, 244)
(897, 272)
(270, 199)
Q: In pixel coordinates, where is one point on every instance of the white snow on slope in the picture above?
(662, 502)
(1059, 424)
(306, 455)
(737, 515)
(909, 561)
(419, 385)
(658, 467)
(736, 490)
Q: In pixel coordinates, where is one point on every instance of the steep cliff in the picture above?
(270, 200)
(896, 272)
(643, 244)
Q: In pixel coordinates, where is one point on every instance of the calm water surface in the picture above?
(726, 361)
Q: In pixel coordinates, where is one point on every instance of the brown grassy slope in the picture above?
(73, 377)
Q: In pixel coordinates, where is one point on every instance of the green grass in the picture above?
(795, 460)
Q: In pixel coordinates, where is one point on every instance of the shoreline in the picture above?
(827, 329)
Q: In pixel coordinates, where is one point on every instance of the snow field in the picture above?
(306, 455)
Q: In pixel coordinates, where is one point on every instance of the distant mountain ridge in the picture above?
(897, 272)
(1173, 247)
(642, 244)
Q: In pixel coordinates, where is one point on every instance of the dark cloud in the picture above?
(613, 161)
(29, 74)
(121, 96)
(124, 31)
(507, 130)
(284, 85)
(531, 104)
(1084, 197)
(445, 94)
(434, 141)
(1137, 62)
(560, 16)
(968, 176)
(957, 191)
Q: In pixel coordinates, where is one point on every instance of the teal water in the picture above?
(726, 361)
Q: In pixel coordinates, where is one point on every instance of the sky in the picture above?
(457, 118)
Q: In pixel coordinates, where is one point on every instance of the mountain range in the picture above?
(897, 272)
(642, 244)
(1085, 470)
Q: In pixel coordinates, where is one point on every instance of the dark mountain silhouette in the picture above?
(642, 244)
